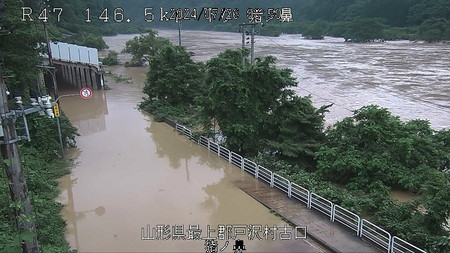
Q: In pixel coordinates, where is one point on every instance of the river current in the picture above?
(131, 172)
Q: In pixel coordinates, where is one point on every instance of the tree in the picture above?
(433, 29)
(364, 30)
(19, 56)
(241, 99)
(173, 77)
(19, 50)
(95, 41)
(373, 147)
(144, 47)
(313, 31)
(296, 132)
(111, 59)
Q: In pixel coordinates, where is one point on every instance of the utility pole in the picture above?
(179, 32)
(252, 41)
(55, 87)
(13, 165)
(243, 43)
(14, 170)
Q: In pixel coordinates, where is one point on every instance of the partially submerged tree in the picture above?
(364, 30)
(374, 147)
(173, 77)
(144, 47)
(313, 31)
(244, 100)
(297, 131)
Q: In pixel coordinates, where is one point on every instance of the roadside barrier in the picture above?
(361, 227)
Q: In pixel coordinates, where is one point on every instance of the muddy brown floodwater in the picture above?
(411, 79)
(131, 172)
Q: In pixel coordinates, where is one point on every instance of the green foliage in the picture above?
(42, 168)
(161, 110)
(373, 150)
(88, 40)
(422, 10)
(398, 14)
(111, 59)
(432, 30)
(415, 222)
(313, 31)
(354, 201)
(364, 30)
(375, 146)
(19, 50)
(174, 76)
(241, 99)
(144, 47)
(44, 134)
(400, 33)
(95, 41)
(296, 131)
(271, 30)
(118, 78)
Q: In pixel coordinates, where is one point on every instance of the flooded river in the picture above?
(411, 79)
(132, 172)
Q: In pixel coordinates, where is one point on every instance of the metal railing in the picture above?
(321, 204)
(402, 246)
(376, 234)
(265, 175)
(362, 227)
(347, 218)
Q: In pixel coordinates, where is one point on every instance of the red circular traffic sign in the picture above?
(86, 93)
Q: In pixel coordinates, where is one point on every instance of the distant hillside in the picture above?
(378, 19)
(397, 19)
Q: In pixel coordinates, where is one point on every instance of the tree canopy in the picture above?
(374, 146)
(174, 77)
(241, 99)
(144, 47)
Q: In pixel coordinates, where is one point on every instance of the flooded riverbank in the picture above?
(411, 79)
(132, 172)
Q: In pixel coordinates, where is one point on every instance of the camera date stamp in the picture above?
(152, 14)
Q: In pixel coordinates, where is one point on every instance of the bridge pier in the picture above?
(76, 75)
(76, 66)
(90, 76)
(72, 76)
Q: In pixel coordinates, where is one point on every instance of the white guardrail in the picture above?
(362, 228)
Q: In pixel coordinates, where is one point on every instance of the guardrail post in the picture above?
(358, 231)
(218, 150)
(242, 163)
(332, 213)
(309, 200)
(256, 171)
(271, 179)
(209, 148)
(289, 190)
(361, 229)
(390, 243)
